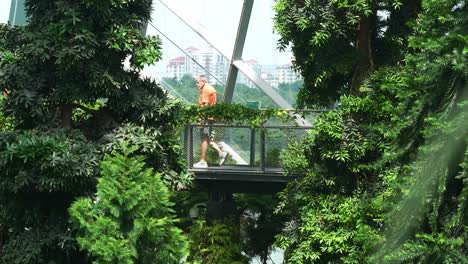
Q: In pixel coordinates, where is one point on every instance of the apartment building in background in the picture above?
(196, 62)
(215, 67)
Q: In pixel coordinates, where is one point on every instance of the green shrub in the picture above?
(215, 243)
(130, 220)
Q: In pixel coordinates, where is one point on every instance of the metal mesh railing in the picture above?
(256, 148)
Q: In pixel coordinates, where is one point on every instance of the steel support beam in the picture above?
(17, 13)
(238, 48)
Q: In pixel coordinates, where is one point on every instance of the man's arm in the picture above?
(212, 98)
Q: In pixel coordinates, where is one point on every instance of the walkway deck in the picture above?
(243, 179)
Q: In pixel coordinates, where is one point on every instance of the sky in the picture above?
(4, 10)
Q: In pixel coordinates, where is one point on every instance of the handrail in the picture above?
(246, 126)
(257, 137)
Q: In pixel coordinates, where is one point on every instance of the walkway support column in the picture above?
(220, 206)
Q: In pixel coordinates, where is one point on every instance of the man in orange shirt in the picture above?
(207, 97)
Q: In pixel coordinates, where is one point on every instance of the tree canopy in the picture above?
(69, 100)
(383, 175)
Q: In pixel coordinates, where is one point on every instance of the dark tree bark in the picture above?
(364, 52)
(66, 115)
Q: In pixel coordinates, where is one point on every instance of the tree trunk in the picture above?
(364, 52)
(66, 115)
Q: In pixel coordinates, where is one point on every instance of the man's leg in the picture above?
(204, 148)
(212, 142)
(222, 155)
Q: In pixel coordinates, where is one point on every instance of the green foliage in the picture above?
(144, 51)
(334, 41)
(130, 220)
(45, 70)
(232, 114)
(42, 172)
(331, 228)
(435, 195)
(162, 151)
(336, 159)
(396, 149)
(216, 242)
(83, 110)
(68, 95)
(6, 123)
(41, 245)
(64, 163)
(431, 248)
(294, 159)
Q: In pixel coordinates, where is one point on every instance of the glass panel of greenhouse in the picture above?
(199, 38)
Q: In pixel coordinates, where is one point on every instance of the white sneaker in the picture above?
(200, 164)
(223, 157)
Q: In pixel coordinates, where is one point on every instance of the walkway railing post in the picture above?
(186, 144)
(188, 134)
(252, 147)
(262, 149)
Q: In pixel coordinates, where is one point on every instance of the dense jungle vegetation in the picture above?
(78, 129)
(385, 174)
(91, 169)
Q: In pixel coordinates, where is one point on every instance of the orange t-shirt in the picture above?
(207, 95)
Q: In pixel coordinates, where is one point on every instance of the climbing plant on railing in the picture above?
(234, 114)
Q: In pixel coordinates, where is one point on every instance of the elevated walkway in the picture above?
(253, 165)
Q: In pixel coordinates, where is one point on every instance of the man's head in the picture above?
(201, 80)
